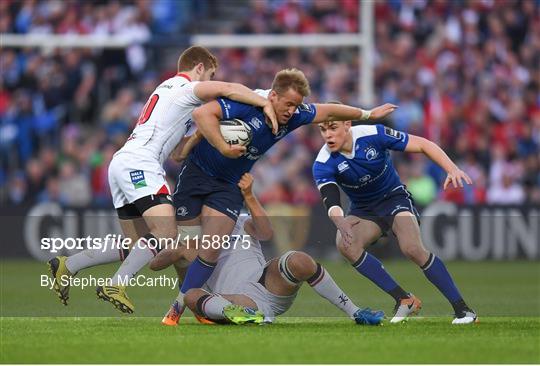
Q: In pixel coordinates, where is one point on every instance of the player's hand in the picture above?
(271, 115)
(382, 111)
(233, 151)
(245, 184)
(345, 229)
(456, 177)
(165, 258)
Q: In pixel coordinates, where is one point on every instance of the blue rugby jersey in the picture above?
(368, 174)
(210, 160)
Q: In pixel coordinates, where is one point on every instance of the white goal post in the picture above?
(363, 40)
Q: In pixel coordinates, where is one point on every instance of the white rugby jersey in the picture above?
(240, 262)
(164, 120)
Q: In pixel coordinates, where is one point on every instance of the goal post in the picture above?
(363, 40)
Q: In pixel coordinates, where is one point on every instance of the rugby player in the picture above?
(139, 189)
(207, 192)
(357, 159)
(243, 289)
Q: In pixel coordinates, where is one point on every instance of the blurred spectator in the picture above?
(421, 185)
(507, 192)
(465, 75)
(74, 185)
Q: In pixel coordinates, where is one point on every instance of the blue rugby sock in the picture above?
(372, 268)
(197, 274)
(435, 271)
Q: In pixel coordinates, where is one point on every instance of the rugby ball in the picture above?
(236, 132)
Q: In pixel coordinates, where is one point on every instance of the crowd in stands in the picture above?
(465, 74)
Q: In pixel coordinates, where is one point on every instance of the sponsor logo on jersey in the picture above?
(282, 132)
(343, 166)
(137, 178)
(165, 86)
(256, 123)
(252, 153)
(304, 107)
(371, 153)
(392, 133)
(181, 211)
(365, 178)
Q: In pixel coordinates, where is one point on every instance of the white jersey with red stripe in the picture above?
(136, 170)
(164, 120)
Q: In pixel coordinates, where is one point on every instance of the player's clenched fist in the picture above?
(245, 184)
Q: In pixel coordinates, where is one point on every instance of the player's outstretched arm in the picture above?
(455, 175)
(340, 112)
(209, 90)
(260, 226)
(207, 119)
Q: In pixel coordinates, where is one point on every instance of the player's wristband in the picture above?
(365, 114)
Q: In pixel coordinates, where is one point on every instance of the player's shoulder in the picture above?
(324, 155)
(364, 131)
(263, 92)
(176, 85)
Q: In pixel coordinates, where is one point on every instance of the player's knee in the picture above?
(209, 255)
(301, 265)
(415, 252)
(166, 233)
(350, 252)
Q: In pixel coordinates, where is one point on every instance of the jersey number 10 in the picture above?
(147, 109)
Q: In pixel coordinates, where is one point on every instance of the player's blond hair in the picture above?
(195, 55)
(291, 79)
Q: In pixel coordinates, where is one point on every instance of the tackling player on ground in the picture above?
(139, 189)
(357, 159)
(207, 192)
(243, 289)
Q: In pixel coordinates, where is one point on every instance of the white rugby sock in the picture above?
(139, 256)
(212, 306)
(180, 298)
(325, 286)
(93, 257)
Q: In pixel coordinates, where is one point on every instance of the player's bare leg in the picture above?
(214, 225)
(407, 231)
(365, 232)
(62, 267)
(161, 223)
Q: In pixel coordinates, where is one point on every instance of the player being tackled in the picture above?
(140, 192)
(244, 288)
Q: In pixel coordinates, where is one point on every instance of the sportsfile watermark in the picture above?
(93, 281)
(119, 242)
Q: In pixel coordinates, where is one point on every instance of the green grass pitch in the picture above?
(36, 328)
